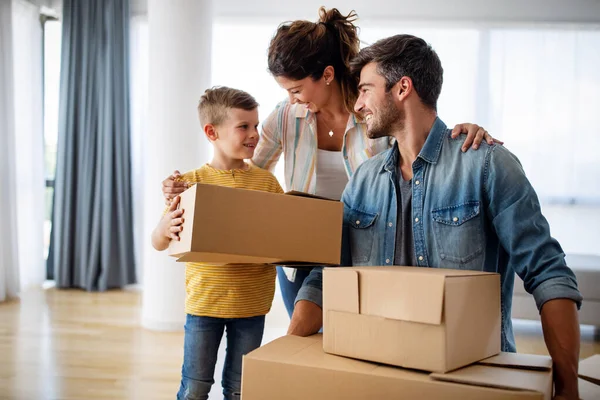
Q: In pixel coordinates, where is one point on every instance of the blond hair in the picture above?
(214, 103)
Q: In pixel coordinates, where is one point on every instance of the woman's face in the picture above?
(313, 94)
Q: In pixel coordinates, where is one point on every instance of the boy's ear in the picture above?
(211, 132)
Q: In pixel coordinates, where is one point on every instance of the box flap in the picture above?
(224, 259)
(340, 289)
(500, 377)
(304, 194)
(402, 293)
(589, 369)
(588, 390)
(517, 360)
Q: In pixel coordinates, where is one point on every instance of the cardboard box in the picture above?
(236, 226)
(432, 319)
(297, 368)
(589, 382)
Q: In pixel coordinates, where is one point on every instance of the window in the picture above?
(52, 43)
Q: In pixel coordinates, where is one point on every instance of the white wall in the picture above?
(577, 228)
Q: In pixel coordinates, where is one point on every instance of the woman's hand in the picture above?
(173, 187)
(475, 135)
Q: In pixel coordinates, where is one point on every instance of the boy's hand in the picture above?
(170, 225)
(172, 187)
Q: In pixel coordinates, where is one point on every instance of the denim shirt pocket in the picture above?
(361, 231)
(459, 235)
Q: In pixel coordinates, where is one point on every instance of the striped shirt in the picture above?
(222, 291)
(291, 129)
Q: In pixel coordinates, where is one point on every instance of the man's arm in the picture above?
(561, 333)
(308, 311)
(307, 318)
(514, 209)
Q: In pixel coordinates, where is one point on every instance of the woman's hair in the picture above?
(302, 48)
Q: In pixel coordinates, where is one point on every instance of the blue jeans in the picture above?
(201, 344)
(289, 290)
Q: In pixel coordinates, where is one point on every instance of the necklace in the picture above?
(328, 128)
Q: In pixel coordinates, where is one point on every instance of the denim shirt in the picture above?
(473, 211)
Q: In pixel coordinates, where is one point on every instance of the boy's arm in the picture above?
(168, 227)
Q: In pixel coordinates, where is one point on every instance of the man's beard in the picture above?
(389, 118)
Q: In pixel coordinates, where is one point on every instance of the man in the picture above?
(424, 203)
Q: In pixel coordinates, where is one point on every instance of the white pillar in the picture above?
(180, 35)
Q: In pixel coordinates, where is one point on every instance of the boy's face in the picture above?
(237, 136)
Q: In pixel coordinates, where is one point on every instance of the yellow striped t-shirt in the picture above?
(222, 291)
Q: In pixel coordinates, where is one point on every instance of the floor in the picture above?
(75, 345)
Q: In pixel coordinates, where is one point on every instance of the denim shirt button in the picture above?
(420, 258)
(387, 260)
(417, 182)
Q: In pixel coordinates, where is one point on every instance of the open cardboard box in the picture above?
(589, 378)
(297, 368)
(432, 319)
(224, 225)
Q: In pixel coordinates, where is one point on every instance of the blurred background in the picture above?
(70, 71)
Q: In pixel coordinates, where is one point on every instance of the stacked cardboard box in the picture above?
(589, 381)
(297, 368)
(423, 320)
(431, 319)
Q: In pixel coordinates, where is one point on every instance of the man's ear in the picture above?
(402, 88)
(211, 132)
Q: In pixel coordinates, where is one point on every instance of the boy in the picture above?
(222, 297)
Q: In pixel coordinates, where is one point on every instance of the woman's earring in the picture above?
(327, 83)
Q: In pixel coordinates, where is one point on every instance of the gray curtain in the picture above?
(92, 239)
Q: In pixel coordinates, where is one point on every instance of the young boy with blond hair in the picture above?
(221, 297)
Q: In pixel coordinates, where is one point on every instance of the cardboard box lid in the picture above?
(505, 371)
(589, 369)
(413, 294)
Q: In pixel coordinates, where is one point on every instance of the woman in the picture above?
(316, 130)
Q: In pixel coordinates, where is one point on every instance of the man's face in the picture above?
(376, 105)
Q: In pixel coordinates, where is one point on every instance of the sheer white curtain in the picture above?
(29, 143)
(139, 116)
(545, 98)
(21, 149)
(9, 259)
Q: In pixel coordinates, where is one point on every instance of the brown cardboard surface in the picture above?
(297, 368)
(422, 318)
(588, 390)
(530, 361)
(589, 369)
(237, 226)
(502, 377)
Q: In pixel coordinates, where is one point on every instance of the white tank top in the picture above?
(331, 174)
